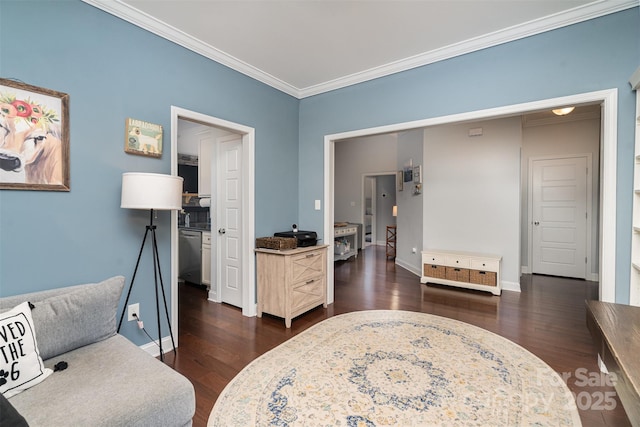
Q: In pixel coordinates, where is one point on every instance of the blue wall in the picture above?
(113, 70)
(595, 55)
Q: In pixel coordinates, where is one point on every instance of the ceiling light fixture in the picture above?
(563, 111)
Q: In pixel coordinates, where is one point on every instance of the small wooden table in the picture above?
(615, 329)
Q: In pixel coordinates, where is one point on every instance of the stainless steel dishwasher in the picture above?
(190, 256)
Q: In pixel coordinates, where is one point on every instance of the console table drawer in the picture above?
(305, 266)
(432, 258)
(309, 293)
(456, 261)
(485, 265)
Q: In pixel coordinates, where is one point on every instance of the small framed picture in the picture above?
(142, 138)
(399, 180)
(417, 174)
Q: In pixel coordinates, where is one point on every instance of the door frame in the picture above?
(608, 99)
(248, 215)
(588, 243)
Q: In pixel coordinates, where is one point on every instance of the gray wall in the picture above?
(472, 191)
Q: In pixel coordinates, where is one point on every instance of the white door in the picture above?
(229, 224)
(559, 209)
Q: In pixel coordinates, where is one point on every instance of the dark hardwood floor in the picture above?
(547, 318)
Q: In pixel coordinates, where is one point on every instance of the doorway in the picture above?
(607, 226)
(379, 198)
(245, 220)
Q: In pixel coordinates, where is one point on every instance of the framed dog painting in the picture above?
(34, 137)
(143, 138)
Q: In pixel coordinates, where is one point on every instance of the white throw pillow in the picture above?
(20, 363)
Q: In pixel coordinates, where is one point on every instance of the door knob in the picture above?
(221, 231)
(536, 223)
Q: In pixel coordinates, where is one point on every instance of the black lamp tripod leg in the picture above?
(164, 297)
(133, 278)
(157, 274)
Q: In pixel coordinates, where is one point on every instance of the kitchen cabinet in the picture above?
(206, 258)
(462, 269)
(205, 155)
(291, 282)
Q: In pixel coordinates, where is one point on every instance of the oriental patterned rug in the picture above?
(396, 368)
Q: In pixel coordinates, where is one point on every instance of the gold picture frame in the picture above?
(34, 138)
(142, 138)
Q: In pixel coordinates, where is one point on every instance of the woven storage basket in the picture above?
(277, 242)
(457, 274)
(435, 271)
(483, 277)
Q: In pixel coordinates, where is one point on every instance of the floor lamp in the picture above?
(154, 192)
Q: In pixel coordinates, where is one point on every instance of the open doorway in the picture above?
(379, 198)
(607, 100)
(218, 138)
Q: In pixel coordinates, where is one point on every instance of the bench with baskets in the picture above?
(462, 269)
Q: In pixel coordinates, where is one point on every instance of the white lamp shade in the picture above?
(151, 191)
(395, 210)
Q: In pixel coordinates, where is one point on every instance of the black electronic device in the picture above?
(304, 238)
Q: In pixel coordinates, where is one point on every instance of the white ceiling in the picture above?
(306, 47)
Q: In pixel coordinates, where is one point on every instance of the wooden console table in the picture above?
(615, 329)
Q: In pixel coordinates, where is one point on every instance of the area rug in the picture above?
(396, 368)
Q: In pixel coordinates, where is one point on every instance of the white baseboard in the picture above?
(510, 286)
(407, 266)
(525, 270)
(153, 349)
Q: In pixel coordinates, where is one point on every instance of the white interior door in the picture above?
(229, 224)
(559, 216)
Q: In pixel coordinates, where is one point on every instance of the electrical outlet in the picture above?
(133, 308)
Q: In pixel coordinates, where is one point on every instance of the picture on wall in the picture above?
(399, 180)
(143, 138)
(34, 137)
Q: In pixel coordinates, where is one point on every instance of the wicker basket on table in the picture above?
(277, 243)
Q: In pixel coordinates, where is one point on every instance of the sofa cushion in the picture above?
(109, 383)
(9, 416)
(20, 364)
(75, 316)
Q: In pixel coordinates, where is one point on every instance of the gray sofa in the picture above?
(108, 381)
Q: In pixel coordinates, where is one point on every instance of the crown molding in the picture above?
(537, 26)
(145, 21)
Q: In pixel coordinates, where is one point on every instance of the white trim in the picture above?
(248, 217)
(562, 19)
(511, 286)
(153, 349)
(609, 100)
(145, 21)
